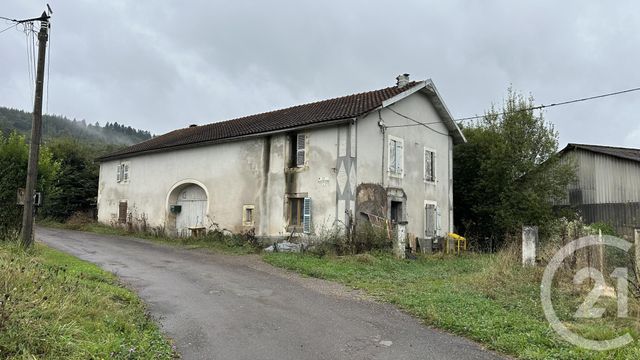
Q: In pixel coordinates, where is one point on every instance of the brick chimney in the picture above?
(402, 80)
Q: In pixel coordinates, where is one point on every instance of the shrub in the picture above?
(364, 238)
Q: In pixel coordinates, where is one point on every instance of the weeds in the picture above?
(55, 306)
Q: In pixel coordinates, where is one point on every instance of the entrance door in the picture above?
(193, 200)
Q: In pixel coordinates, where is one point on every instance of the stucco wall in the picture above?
(256, 172)
(373, 158)
(233, 174)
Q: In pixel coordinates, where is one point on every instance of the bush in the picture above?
(364, 238)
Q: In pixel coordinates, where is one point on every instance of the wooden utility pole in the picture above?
(36, 135)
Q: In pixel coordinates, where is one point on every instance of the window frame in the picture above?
(433, 165)
(299, 209)
(248, 220)
(398, 141)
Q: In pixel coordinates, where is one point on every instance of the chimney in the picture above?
(193, 125)
(402, 80)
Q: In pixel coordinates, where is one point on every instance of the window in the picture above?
(122, 212)
(300, 213)
(298, 143)
(295, 211)
(247, 215)
(396, 156)
(122, 173)
(429, 165)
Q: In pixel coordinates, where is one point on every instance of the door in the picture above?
(193, 201)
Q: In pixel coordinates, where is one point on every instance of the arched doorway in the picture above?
(191, 200)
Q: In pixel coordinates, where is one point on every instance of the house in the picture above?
(607, 188)
(301, 170)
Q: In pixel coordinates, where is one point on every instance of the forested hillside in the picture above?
(61, 127)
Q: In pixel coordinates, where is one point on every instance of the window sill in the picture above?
(396, 175)
(296, 169)
(430, 182)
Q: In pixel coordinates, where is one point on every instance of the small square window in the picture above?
(248, 215)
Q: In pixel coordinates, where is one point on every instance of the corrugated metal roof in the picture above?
(619, 152)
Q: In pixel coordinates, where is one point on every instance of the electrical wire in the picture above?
(531, 108)
(416, 121)
(3, 30)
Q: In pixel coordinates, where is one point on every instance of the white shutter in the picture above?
(306, 215)
(399, 157)
(118, 173)
(125, 172)
(392, 155)
(300, 149)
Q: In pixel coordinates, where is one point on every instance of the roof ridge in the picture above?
(407, 86)
(605, 146)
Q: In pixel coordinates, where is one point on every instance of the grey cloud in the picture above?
(160, 65)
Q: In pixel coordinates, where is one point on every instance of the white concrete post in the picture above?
(636, 236)
(401, 242)
(529, 243)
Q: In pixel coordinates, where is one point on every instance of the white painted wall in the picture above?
(373, 166)
(234, 174)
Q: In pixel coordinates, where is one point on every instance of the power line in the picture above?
(540, 107)
(416, 121)
(3, 30)
(537, 107)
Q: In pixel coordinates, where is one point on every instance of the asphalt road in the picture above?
(237, 307)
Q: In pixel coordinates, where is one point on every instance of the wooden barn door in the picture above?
(193, 200)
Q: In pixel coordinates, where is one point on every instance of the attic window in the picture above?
(298, 154)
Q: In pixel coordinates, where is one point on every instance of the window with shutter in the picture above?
(296, 210)
(396, 156)
(306, 218)
(118, 173)
(300, 149)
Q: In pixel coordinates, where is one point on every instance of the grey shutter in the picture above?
(306, 215)
(119, 173)
(300, 149)
(125, 172)
(430, 221)
(399, 157)
(428, 165)
(392, 155)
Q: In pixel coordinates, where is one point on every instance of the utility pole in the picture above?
(36, 135)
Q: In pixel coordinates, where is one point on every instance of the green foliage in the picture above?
(14, 155)
(55, 306)
(75, 184)
(507, 174)
(606, 228)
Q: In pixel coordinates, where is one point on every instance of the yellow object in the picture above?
(460, 244)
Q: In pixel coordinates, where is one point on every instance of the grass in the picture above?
(55, 306)
(487, 298)
(235, 244)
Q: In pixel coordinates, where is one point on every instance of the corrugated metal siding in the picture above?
(624, 217)
(605, 179)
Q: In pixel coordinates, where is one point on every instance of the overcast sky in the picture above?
(161, 65)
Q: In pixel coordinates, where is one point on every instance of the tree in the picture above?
(508, 173)
(14, 154)
(75, 185)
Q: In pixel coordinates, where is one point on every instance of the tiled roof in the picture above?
(619, 152)
(345, 107)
